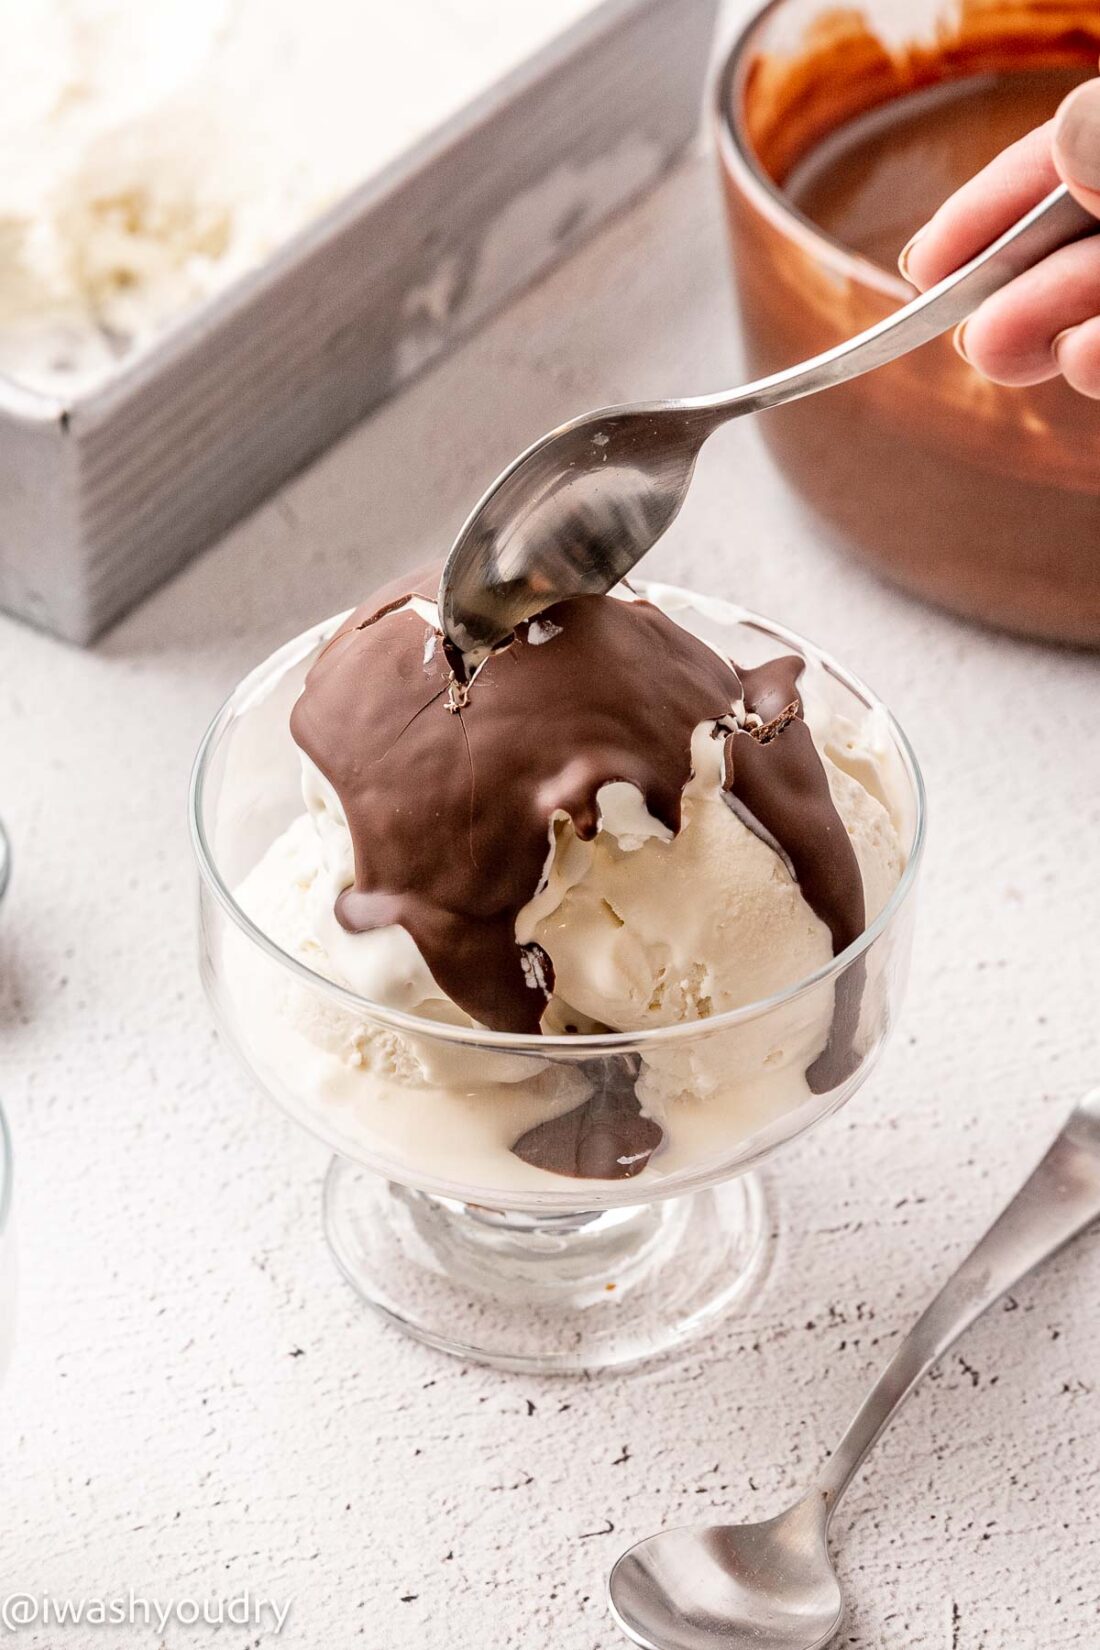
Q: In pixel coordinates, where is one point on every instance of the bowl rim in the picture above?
(481, 1037)
(740, 162)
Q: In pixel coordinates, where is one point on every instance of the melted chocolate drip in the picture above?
(604, 1138)
(450, 807)
(778, 776)
(450, 814)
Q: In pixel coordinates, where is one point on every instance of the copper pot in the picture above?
(983, 499)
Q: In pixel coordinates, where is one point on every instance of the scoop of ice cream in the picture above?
(653, 930)
(609, 827)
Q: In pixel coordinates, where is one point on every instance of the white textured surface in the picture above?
(197, 1401)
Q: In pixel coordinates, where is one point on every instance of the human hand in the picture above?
(1047, 321)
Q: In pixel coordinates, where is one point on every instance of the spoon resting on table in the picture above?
(575, 513)
(772, 1586)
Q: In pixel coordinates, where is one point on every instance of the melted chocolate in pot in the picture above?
(450, 812)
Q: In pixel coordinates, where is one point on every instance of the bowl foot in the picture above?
(545, 1293)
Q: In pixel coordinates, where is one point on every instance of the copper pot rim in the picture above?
(740, 163)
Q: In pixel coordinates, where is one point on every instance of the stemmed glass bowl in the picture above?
(429, 1214)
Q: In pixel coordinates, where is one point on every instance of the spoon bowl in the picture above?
(768, 1586)
(572, 514)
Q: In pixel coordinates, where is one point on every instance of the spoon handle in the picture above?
(1059, 1200)
(1056, 221)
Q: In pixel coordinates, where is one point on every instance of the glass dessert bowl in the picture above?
(577, 1197)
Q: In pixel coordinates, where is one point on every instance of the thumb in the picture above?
(1077, 144)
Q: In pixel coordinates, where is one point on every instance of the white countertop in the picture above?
(199, 1404)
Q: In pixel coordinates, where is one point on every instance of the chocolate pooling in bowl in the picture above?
(606, 1137)
(450, 798)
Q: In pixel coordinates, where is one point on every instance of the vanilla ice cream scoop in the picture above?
(651, 930)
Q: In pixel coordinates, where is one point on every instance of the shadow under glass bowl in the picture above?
(982, 499)
(429, 1213)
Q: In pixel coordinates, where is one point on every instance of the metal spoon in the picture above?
(575, 512)
(772, 1586)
